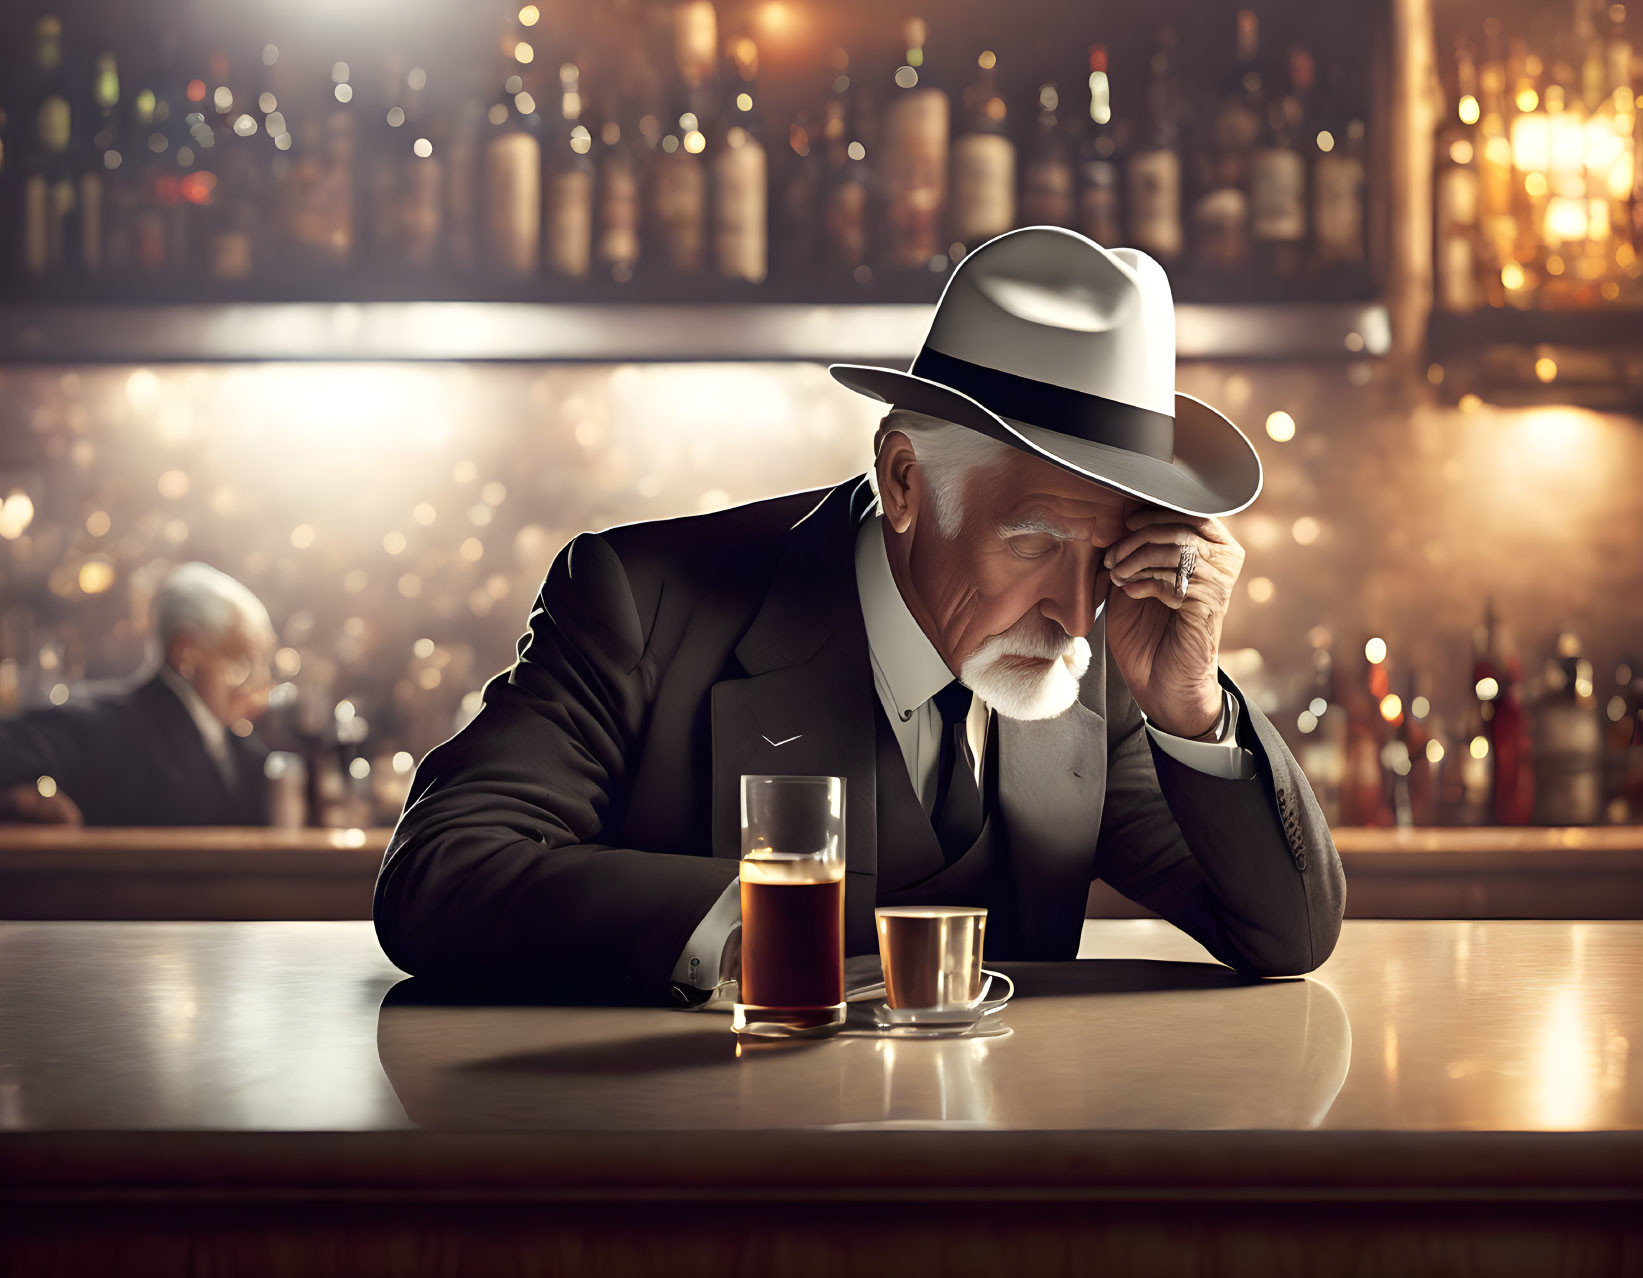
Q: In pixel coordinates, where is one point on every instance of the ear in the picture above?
(901, 481)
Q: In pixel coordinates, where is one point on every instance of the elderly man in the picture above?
(1004, 637)
(165, 748)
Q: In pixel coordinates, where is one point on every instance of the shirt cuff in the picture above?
(698, 965)
(1223, 757)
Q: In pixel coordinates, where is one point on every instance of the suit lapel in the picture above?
(806, 706)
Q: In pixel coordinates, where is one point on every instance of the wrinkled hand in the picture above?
(24, 802)
(1167, 647)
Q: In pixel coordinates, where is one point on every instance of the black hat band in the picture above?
(1093, 418)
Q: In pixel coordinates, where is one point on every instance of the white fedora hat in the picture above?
(1051, 343)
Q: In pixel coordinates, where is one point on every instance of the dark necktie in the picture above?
(956, 815)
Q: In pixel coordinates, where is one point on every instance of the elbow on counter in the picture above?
(1305, 950)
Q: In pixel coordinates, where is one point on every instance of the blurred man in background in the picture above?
(171, 746)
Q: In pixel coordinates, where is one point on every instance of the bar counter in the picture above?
(53, 872)
(277, 1098)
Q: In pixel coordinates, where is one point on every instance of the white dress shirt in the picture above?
(907, 673)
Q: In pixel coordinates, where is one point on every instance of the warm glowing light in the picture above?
(98, 523)
(523, 53)
(403, 762)
(1468, 109)
(1420, 707)
(1304, 530)
(302, 536)
(288, 662)
(1460, 151)
(96, 575)
(1434, 751)
(47, 786)
(494, 493)
(694, 142)
(988, 60)
(196, 90)
(1511, 275)
(1487, 688)
(16, 514)
(1545, 369)
(1261, 589)
(906, 77)
(394, 542)
(1306, 721)
(1280, 426)
(1391, 707)
(1375, 651)
(344, 93)
(529, 16)
(1469, 402)
(1527, 100)
(173, 484)
(423, 512)
(422, 147)
(1478, 748)
(473, 550)
(410, 585)
(359, 768)
(1326, 140)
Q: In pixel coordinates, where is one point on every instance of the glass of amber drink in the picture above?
(792, 884)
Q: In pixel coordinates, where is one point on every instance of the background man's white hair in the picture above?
(949, 455)
(196, 599)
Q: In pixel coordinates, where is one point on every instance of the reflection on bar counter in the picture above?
(1427, 611)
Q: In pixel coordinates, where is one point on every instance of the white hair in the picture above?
(196, 599)
(949, 455)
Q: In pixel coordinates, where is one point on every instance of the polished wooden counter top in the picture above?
(1430, 1058)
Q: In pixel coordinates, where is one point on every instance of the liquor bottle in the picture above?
(1456, 184)
(118, 137)
(915, 129)
(231, 201)
(320, 205)
(511, 188)
(1340, 249)
(796, 195)
(1477, 733)
(677, 216)
(158, 216)
(1568, 741)
(851, 195)
(463, 116)
(1497, 178)
(51, 230)
(1099, 215)
(1322, 750)
(739, 173)
(1152, 186)
(1364, 788)
(424, 157)
(1623, 744)
(983, 161)
(567, 183)
(1277, 182)
(621, 160)
(1047, 181)
(1513, 773)
(1221, 213)
(1412, 789)
(383, 152)
(104, 157)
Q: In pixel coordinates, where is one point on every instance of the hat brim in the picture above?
(1216, 470)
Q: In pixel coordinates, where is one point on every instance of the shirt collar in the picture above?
(211, 727)
(902, 653)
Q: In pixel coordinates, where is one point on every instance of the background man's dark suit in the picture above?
(130, 754)
(576, 831)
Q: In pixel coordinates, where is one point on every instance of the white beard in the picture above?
(1027, 689)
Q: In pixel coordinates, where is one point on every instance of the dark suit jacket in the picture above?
(579, 827)
(130, 754)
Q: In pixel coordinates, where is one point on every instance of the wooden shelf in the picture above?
(591, 333)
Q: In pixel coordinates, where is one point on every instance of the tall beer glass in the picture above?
(792, 882)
